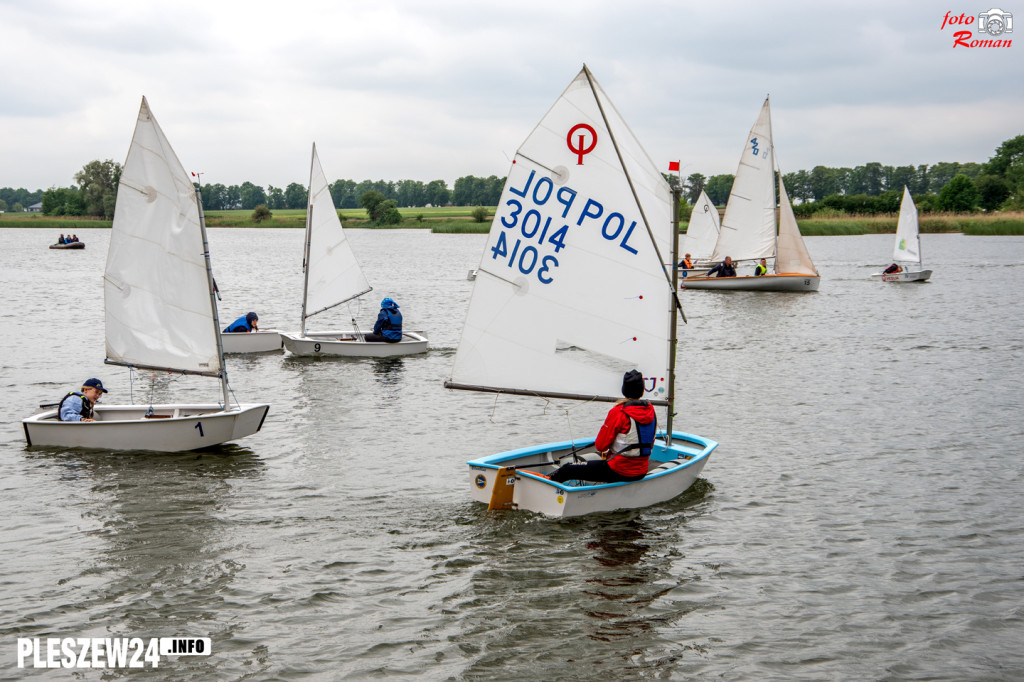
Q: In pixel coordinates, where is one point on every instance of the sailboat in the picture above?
(262, 341)
(160, 312)
(333, 277)
(702, 234)
(571, 292)
(748, 229)
(908, 246)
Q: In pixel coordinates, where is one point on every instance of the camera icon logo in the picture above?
(995, 22)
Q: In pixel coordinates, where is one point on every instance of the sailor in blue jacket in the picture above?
(76, 406)
(246, 323)
(388, 327)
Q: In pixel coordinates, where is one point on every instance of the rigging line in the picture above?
(636, 198)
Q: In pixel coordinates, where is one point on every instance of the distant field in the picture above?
(458, 220)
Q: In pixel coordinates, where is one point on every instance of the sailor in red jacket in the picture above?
(624, 441)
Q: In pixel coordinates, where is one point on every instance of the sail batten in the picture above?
(157, 305)
(573, 253)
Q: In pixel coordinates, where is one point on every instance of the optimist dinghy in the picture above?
(160, 312)
(907, 250)
(571, 292)
(333, 277)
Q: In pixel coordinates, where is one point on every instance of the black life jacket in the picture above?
(644, 434)
(86, 410)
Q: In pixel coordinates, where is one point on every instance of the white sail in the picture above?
(159, 312)
(702, 232)
(908, 240)
(748, 227)
(333, 275)
(570, 291)
(792, 256)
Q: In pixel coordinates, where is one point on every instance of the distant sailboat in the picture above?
(160, 312)
(908, 246)
(748, 230)
(333, 277)
(702, 233)
(572, 291)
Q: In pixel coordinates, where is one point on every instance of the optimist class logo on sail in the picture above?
(537, 217)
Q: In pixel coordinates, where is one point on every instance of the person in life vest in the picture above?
(388, 327)
(61, 240)
(892, 270)
(762, 269)
(624, 441)
(246, 323)
(76, 406)
(723, 269)
(685, 264)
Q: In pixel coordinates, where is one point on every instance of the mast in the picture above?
(777, 199)
(213, 302)
(676, 192)
(309, 236)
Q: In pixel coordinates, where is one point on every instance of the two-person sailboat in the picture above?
(160, 312)
(907, 251)
(748, 231)
(571, 292)
(333, 277)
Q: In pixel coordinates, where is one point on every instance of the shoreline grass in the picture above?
(458, 220)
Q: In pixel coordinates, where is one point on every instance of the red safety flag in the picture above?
(673, 165)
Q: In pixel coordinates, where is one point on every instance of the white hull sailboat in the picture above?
(160, 312)
(333, 277)
(907, 251)
(572, 291)
(749, 232)
(263, 341)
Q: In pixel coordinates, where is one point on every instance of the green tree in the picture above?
(1006, 155)
(295, 196)
(958, 196)
(718, 188)
(261, 213)
(693, 186)
(993, 190)
(97, 187)
(3, 205)
(343, 194)
(437, 193)
(823, 182)
(275, 197)
(63, 201)
(250, 196)
(479, 214)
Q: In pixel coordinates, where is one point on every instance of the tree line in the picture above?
(997, 184)
(95, 193)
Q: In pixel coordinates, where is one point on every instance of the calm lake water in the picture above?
(862, 518)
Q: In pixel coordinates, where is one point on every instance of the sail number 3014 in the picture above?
(525, 256)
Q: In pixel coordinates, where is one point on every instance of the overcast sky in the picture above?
(438, 89)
